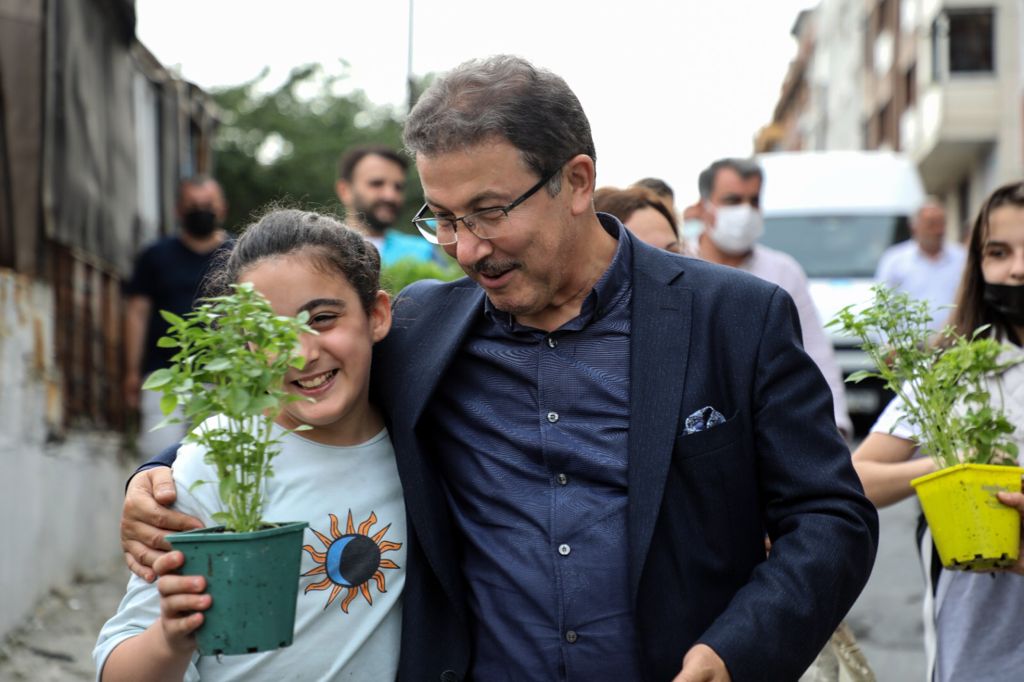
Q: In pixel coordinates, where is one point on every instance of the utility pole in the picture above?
(410, 83)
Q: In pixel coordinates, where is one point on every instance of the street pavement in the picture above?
(887, 618)
(55, 642)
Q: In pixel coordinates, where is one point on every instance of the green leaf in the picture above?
(166, 342)
(217, 365)
(238, 401)
(859, 376)
(168, 403)
(172, 319)
(226, 488)
(196, 484)
(166, 421)
(263, 403)
(160, 377)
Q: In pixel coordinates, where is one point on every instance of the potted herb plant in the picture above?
(227, 375)
(946, 397)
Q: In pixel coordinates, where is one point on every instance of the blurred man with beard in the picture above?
(371, 185)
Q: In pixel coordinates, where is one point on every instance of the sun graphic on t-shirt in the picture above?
(351, 560)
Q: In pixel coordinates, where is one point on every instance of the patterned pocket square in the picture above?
(703, 419)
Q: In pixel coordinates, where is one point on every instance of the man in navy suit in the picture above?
(594, 437)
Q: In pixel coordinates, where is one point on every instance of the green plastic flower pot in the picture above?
(253, 579)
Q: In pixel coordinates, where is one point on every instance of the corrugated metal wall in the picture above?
(94, 136)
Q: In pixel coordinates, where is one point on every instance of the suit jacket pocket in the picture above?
(702, 442)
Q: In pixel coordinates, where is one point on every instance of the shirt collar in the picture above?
(610, 288)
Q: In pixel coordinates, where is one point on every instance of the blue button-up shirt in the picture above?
(533, 446)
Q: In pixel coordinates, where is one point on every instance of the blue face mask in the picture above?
(1007, 300)
(691, 229)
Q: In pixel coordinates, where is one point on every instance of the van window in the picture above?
(835, 246)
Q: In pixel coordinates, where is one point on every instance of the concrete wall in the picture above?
(838, 73)
(60, 500)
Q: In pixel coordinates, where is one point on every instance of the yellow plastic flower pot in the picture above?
(971, 529)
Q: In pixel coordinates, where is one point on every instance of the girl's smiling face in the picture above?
(334, 384)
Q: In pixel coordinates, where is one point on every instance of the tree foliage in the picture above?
(283, 145)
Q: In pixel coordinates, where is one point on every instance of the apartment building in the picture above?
(939, 80)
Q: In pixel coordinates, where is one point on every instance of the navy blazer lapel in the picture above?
(427, 359)
(437, 352)
(659, 349)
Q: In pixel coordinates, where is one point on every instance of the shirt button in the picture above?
(571, 636)
(552, 417)
(564, 550)
(552, 342)
(563, 479)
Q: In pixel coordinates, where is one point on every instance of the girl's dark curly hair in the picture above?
(331, 246)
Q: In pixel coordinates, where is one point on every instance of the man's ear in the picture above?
(580, 177)
(380, 316)
(222, 210)
(344, 191)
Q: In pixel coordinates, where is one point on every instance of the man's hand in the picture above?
(1015, 500)
(702, 664)
(145, 520)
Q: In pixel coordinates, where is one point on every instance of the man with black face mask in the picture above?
(168, 275)
(371, 185)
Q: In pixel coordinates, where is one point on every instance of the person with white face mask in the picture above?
(730, 209)
(736, 228)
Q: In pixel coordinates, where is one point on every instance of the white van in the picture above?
(836, 212)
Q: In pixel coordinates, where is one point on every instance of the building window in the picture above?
(886, 128)
(963, 213)
(910, 85)
(969, 37)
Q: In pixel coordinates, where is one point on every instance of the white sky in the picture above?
(668, 85)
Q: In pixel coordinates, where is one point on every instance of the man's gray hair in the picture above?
(502, 97)
(745, 168)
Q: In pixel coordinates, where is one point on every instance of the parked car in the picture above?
(836, 212)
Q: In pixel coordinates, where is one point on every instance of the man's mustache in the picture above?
(492, 268)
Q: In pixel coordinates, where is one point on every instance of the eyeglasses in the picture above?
(485, 223)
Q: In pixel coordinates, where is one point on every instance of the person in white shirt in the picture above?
(972, 620)
(925, 267)
(729, 207)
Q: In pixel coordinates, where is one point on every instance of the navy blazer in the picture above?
(699, 504)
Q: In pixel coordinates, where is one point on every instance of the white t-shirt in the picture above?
(977, 617)
(906, 268)
(340, 491)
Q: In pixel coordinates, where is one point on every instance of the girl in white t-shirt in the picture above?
(972, 621)
(339, 476)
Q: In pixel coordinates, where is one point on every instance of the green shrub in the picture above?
(402, 273)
